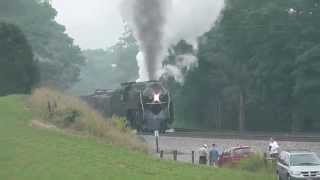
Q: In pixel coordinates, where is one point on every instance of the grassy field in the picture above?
(28, 153)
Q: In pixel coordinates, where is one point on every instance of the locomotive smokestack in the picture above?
(147, 18)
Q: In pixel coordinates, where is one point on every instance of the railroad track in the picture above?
(194, 133)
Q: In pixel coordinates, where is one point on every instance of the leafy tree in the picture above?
(125, 52)
(59, 59)
(18, 70)
(307, 90)
(108, 68)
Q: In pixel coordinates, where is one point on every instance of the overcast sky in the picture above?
(93, 24)
(98, 23)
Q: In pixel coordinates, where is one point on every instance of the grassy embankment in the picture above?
(30, 153)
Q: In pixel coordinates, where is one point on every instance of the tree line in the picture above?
(54, 58)
(259, 69)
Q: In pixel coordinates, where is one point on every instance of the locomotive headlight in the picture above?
(156, 97)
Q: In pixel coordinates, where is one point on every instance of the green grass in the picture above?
(256, 163)
(27, 153)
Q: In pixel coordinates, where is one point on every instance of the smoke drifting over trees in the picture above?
(159, 24)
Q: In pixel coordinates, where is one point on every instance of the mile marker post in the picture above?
(156, 134)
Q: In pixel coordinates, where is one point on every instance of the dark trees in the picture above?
(59, 60)
(260, 66)
(18, 70)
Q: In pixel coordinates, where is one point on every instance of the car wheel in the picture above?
(289, 177)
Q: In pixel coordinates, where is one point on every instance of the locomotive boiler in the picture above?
(146, 105)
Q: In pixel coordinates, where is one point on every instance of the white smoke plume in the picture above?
(184, 63)
(143, 74)
(172, 71)
(159, 24)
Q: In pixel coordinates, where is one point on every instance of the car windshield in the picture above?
(304, 160)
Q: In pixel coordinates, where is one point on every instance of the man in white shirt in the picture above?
(273, 148)
(203, 154)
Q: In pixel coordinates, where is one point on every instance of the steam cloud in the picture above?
(156, 32)
(184, 63)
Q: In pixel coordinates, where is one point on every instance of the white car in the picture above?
(298, 165)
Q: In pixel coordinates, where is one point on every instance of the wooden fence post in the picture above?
(192, 157)
(175, 154)
(157, 144)
(161, 154)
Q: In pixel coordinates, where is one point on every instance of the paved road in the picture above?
(186, 144)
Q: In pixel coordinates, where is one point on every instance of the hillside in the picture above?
(29, 154)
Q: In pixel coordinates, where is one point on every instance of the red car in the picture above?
(235, 154)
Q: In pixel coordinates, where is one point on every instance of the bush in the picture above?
(71, 114)
(120, 123)
(256, 163)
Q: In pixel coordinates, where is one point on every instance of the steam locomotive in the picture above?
(146, 105)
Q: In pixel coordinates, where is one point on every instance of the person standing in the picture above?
(213, 155)
(203, 154)
(273, 148)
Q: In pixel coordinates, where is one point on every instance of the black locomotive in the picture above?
(146, 105)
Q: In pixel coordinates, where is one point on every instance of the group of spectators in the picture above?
(211, 155)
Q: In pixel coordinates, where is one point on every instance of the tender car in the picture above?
(298, 165)
(233, 155)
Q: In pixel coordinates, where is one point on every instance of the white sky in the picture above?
(98, 23)
(92, 23)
